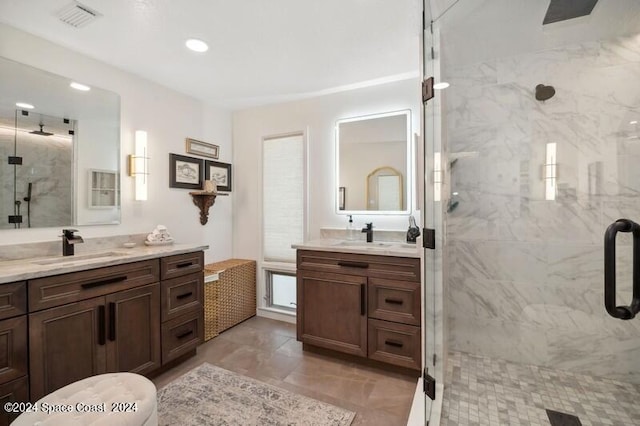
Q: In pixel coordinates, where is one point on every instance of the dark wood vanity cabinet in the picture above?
(182, 304)
(107, 319)
(14, 379)
(364, 305)
(332, 311)
(119, 331)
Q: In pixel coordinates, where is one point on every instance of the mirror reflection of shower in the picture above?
(36, 181)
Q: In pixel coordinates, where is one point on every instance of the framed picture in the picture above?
(185, 172)
(204, 149)
(220, 173)
(341, 197)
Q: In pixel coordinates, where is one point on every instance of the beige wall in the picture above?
(168, 117)
(317, 118)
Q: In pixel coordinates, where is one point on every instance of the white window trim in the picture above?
(280, 266)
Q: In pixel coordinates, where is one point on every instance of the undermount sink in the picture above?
(387, 244)
(362, 244)
(73, 259)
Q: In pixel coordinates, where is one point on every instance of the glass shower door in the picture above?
(431, 188)
(540, 146)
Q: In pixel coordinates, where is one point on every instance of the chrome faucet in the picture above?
(68, 241)
(369, 230)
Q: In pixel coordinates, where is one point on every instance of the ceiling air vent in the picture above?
(77, 15)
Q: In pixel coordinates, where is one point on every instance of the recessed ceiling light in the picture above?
(633, 122)
(24, 105)
(197, 45)
(441, 85)
(80, 86)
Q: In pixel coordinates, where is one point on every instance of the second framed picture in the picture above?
(220, 173)
(185, 172)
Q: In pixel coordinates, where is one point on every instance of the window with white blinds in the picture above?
(283, 196)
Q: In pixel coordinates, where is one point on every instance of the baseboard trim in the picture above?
(276, 315)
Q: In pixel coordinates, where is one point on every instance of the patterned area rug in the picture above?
(209, 395)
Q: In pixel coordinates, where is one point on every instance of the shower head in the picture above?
(544, 92)
(41, 132)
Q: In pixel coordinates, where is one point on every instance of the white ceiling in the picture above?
(477, 30)
(261, 51)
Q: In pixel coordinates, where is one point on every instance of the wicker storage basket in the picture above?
(231, 298)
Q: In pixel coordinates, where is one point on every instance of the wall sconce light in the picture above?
(550, 181)
(437, 176)
(138, 165)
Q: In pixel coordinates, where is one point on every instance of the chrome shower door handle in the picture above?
(621, 312)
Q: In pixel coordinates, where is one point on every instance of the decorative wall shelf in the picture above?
(203, 200)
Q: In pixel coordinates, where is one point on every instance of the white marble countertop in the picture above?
(380, 248)
(24, 269)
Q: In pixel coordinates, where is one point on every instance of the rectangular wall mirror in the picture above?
(52, 136)
(373, 158)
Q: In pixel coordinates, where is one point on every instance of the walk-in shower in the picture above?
(542, 121)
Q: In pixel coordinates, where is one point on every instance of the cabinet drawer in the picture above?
(13, 348)
(13, 299)
(394, 343)
(181, 335)
(182, 295)
(181, 264)
(393, 300)
(389, 267)
(68, 288)
(16, 391)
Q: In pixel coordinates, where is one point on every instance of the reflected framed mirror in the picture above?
(52, 138)
(373, 164)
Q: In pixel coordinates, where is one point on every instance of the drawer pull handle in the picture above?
(184, 265)
(104, 282)
(394, 301)
(185, 334)
(101, 325)
(362, 265)
(393, 343)
(112, 321)
(182, 296)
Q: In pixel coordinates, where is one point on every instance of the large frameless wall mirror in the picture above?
(60, 150)
(373, 164)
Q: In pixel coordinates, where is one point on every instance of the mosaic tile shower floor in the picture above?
(486, 391)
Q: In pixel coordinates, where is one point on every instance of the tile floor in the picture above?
(267, 350)
(484, 391)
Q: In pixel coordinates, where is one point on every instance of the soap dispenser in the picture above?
(413, 232)
(351, 230)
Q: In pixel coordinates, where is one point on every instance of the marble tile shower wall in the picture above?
(47, 164)
(525, 279)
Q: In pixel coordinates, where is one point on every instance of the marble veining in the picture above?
(37, 266)
(381, 248)
(525, 274)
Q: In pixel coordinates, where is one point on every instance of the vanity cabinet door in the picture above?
(13, 348)
(332, 311)
(66, 344)
(15, 391)
(133, 330)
